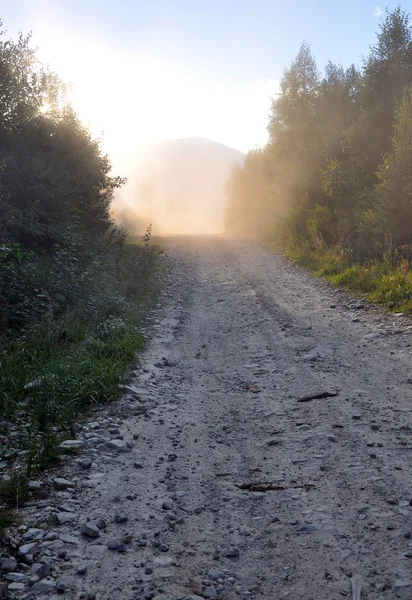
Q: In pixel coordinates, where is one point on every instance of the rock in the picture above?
(232, 552)
(50, 537)
(16, 577)
(101, 523)
(16, 587)
(27, 552)
(307, 528)
(121, 548)
(167, 505)
(70, 445)
(59, 483)
(138, 465)
(68, 539)
(8, 564)
(82, 568)
(90, 529)
(40, 570)
(120, 518)
(111, 545)
(64, 582)
(34, 534)
(214, 575)
(210, 592)
(44, 586)
(66, 517)
(369, 337)
(85, 463)
(35, 486)
(116, 444)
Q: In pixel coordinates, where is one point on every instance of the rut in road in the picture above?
(233, 488)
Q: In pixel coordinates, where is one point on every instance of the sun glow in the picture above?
(135, 100)
(44, 109)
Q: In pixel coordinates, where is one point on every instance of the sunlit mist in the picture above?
(132, 101)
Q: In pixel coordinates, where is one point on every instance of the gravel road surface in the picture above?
(262, 451)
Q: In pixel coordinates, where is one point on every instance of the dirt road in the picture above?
(231, 487)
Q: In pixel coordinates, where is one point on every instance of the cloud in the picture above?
(378, 11)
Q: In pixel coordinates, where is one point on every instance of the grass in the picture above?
(56, 370)
(380, 283)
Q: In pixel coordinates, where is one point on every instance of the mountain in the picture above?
(179, 186)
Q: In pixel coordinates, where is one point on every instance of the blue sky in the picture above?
(167, 56)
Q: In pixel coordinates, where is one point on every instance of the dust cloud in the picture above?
(178, 186)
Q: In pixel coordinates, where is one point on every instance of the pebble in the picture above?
(35, 486)
(210, 593)
(232, 552)
(120, 518)
(66, 517)
(214, 575)
(16, 577)
(44, 586)
(69, 445)
(82, 568)
(27, 551)
(85, 463)
(59, 483)
(116, 444)
(16, 587)
(8, 564)
(90, 529)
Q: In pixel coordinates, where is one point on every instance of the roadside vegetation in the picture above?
(333, 187)
(73, 290)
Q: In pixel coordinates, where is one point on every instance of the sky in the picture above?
(147, 70)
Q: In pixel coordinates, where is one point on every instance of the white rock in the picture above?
(60, 483)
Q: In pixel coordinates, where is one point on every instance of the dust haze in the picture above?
(176, 185)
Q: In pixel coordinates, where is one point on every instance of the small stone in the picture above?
(210, 593)
(40, 570)
(373, 455)
(121, 548)
(34, 534)
(16, 577)
(16, 587)
(45, 586)
(232, 552)
(8, 564)
(35, 486)
(90, 529)
(27, 551)
(112, 545)
(68, 539)
(85, 463)
(214, 574)
(101, 523)
(167, 505)
(138, 465)
(116, 444)
(120, 518)
(59, 483)
(307, 528)
(66, 517)
(70, 445)
(82, 568)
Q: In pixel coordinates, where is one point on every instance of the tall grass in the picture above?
(381, 282)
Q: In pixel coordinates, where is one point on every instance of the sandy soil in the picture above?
(233, 488)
